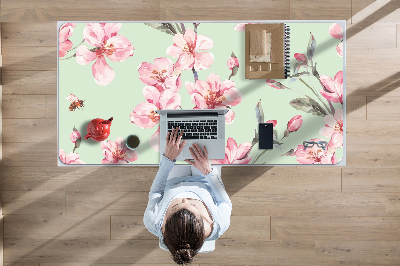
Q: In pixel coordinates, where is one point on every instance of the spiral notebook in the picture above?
(267, 49)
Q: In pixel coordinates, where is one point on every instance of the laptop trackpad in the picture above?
(214, 151)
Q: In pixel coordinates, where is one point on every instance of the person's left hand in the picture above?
(173, 148)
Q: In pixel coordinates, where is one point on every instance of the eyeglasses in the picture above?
(310, 144)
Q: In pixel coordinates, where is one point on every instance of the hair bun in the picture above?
(184, 246)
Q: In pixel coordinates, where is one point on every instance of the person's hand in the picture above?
(201, 161)
(173, 148)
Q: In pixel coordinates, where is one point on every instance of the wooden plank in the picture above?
(368, 156)
(369, 12)
(76, 10)
(383, 108)
(29, 34)
(24, 154)
(393, 204)
(360, 36)
(30, 58)
(223, 10)
(368, 252)
(371, 180)
(51, 106)
(1, 238)
(322, 9)
(129, 227)
(378, 79)
(281, 179)
(356, 108)
(308, 204)
(148, 251)
(21, 264)
(34, 130)
(397, 35)
(373, 132)
(110, 203)
(335, 228)
(44, 178)
(30, 82)
(50, 226)
(241, 227)
(33, 202)
(24, 106)
(110, 264)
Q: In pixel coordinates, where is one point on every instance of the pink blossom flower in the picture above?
(186, 48)
(339, 49)
(144, 115)
(155, 140)
(233, 61)
(160, 74)
(274, 122)
(295, 123)
(333, 89)
(336, 31)
(104, 37)
(235, 154)
(64, 44)
(334, 129)
(300, 57)
(315, 154)
(74, 136)
(116, 152)
(275, 84)
(71, 158)
(214, 94)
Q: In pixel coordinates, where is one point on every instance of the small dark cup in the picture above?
(132, 142)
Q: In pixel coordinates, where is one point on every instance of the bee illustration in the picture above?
(75, 102)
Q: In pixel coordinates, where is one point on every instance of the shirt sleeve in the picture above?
(224, 204)
(156, 194)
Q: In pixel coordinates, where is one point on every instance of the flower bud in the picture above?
(295, 123)
(233, 61)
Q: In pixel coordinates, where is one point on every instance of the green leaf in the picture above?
(166, 27)
(233, 55)
(308, 105)
(234, 70)
(259, 113)
(311, 47)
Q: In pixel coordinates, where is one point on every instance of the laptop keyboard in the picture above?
(195, 129)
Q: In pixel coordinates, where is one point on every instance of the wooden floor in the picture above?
(281, 215)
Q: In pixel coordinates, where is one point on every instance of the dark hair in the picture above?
(184, 235)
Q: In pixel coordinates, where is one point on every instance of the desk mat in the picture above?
(128, 70)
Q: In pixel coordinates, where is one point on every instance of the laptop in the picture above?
(205, 127)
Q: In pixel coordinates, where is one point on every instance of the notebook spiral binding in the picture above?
(286, 51)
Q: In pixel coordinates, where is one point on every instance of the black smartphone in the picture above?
(265, 136)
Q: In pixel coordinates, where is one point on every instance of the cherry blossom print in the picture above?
(75, 135)
(214, 94)
(332, 88)
(235, 154)
(107, 43)
(160, 74)
(232, 62)
(186, 48)
(339, 49)
(336, 31)
(300, 57)
(144, 114)
(64, 44)
(71, 158)
(295, 123)
(116, 152)
(315, 154)
(334, 129)
(275, 84)
(274, 122)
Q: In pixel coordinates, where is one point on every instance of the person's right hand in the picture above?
(201, 161)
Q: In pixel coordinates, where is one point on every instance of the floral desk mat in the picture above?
(129, 70)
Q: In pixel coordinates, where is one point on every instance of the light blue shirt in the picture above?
(209, 188)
